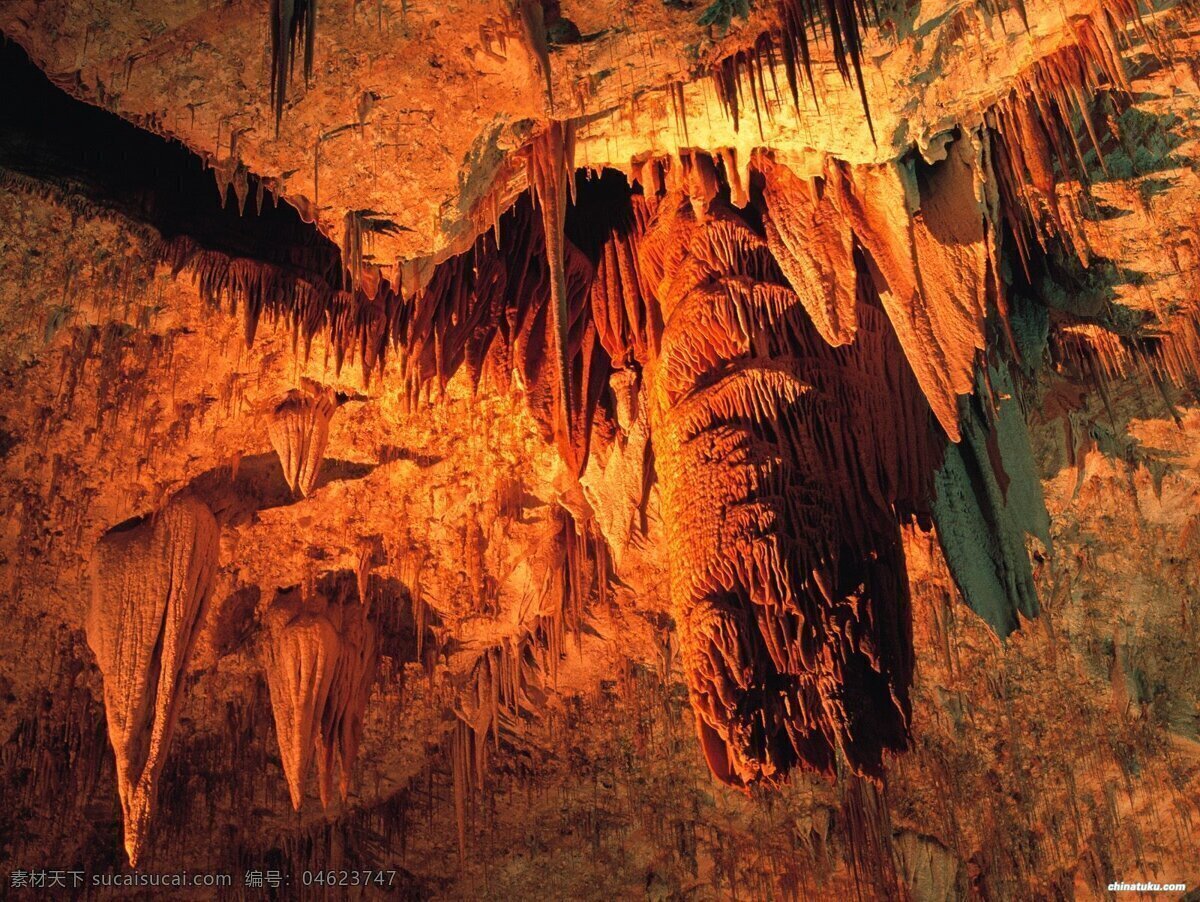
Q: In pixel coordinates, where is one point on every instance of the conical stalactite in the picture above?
(320, 657)
(924, 232)
(782, 461)
(299, 430)
(350, 689)
(300, 657)
(988, 499)
(551, 173)
(929, 264)
(151, 581)
(809, 238)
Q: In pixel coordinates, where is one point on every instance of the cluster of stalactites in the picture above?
(1052, 128)
(782, 461)
(298, 427)
(506, 685)
(494, 310)
(924, 234)
(1036, 145)
(306, 298)
(320, 657)
(802, 24)
(293, 22)
(150, 587)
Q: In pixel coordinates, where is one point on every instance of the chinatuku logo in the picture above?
(1121, 887)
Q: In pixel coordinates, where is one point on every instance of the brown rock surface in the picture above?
(784, 503)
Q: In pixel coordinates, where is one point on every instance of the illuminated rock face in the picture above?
(587, 400)
(150, 586)
(299, 430)
(781, 460)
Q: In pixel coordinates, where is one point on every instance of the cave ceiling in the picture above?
(640, 447)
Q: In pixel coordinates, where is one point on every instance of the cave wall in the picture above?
(529, 728)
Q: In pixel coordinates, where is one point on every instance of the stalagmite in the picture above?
(299, 430)
(150, 588)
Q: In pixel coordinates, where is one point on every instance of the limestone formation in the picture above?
(300, 659)
(778, 491)
(151, 581)
(320, 659)
(767, 454)
(299, 430)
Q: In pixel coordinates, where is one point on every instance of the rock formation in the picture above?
(300, 660)
(151, 581)
(766, 459)
(299, 430)
(778, 491)
(320, 659)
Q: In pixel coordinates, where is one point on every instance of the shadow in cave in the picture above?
(80, 148)
(235, 495)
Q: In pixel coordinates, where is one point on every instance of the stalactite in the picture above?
(1035, 145)
(349, 690)
(988, 499)
(151, 582)
(814, 247)
(305, 296)
(495, 304)
(616, 482)
(925, 234)
(779, 481)
(505, 687)
(292, 21)
(320, 658)
(551, 171)
(299, 430)
(299, 659)
(802, 23)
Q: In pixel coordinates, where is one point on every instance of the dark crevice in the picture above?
(52, 137)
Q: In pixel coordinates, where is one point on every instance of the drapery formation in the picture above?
(151, 581)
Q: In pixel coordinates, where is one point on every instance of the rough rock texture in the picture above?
(299, 431)
(780, 460)
(151, 581)
(765, 460)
